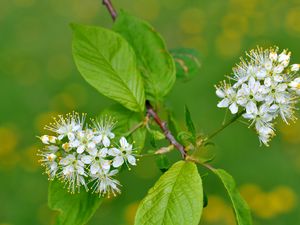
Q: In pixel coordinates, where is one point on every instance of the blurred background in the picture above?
(38, 80)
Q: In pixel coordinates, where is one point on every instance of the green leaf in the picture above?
(241, 208)
(187, 63)
(126, 120)
(175, 199)
(154, 61)
(74, 209)
(189, 122)
(108, 63)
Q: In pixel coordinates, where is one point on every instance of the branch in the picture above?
(163, 126)
(150, 111)
(110, 9)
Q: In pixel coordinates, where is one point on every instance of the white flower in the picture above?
(249, 94)
(295, 67)
(104, 127)
(124, 153)
(81, 155)
(73, 172)
(47, 139)
(83, 141)
(67, 126)
(264, 88)
(295, 85)
(105, 184)
(49, 160)
(97, 160)
(229, 96)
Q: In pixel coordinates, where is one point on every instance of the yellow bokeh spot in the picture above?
(268, 205)
(8, 141)
(228, 44)
(218, 211)
(286, 196)
(235, 24)
(290, 133)
(130, 212)
(192, 21)
(292, 21)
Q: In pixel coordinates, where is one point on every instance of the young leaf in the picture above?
(241, 208)
(108, 63)
(126, 120)
(175, 199)
(172, 124)
(74, 209)
(187, 63)
(189, 122)
(154, 61)
(162, 163)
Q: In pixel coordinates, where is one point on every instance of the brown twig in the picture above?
(110, 9)
(150, 111)
(163, 126)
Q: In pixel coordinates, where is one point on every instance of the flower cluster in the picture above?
(85, 155)
(265, 86)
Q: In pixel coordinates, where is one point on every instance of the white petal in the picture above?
(53, 148)
(131, 159)
(251, 108)
(278, 69)
(71, 136)
(80, 170)
(95, 168)
(220, 93)
(86, 159)
(45, 139)
(268, 82)
(105, 165)
(97, 139)
(74, 143)
(106, 141)
(123, 142)
(224, 103)
(80, 149)
(118, 161)
(233, 108)
(103, 152)
(114, 151)
(295, 67)
(111, 135)
(278, 78)
(91, 145)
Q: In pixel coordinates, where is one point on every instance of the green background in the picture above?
(38, 79)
